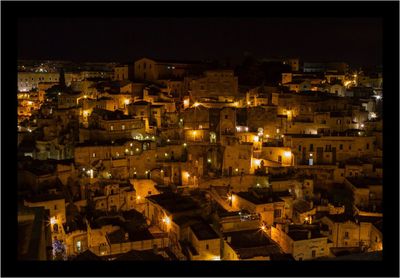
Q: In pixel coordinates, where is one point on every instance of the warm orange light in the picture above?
(166, 220)
(287, 154)
(53, 220)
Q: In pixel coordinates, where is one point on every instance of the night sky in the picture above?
(354, 40)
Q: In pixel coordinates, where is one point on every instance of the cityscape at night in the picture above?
(200, 139)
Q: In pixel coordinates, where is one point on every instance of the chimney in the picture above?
(309, 235)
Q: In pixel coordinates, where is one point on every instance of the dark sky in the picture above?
(354, 40)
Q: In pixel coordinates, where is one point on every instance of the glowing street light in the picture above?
(166, 220)
(53, 220)
(287, 154)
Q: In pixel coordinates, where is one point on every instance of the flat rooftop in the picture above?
(252, 243)
(173, 202)
(259, 198)
(203, 231)
(300, 232)
(361, 182)
(119, 236)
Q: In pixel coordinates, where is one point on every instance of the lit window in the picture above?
(123, 127)
(93, 154)
(112, 127)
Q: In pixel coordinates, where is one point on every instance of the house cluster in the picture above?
(170, 160)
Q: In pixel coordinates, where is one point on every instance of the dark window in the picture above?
(144, 65)
(341, 147)
(367, 146)
(349, 147)
(226, 116)
(311, 147)
(207, 247)
(313, 253)
(277, 213)
(351, 173)
(346, 234)
(299, 148)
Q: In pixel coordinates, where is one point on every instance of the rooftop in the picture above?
(301, 232)
(301, 206)
(251, 243)
(110, 115)
(339, 218)
(122, 236)
(173, 202)
(87, 256)
(259, 197)
(44, 198)
(142, 255)
(361, 182)
(203, 231)
(187, 220)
